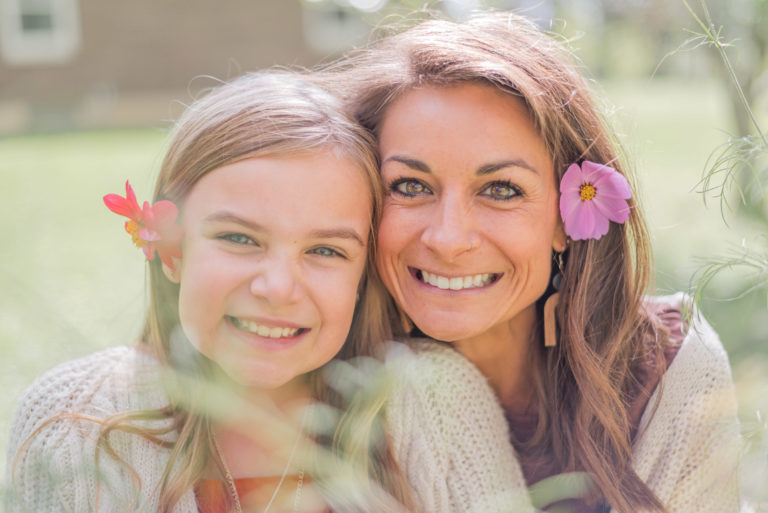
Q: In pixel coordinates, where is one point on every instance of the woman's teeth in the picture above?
(265, 331)
(458, 283)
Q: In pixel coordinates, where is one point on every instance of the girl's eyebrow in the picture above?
(485, 169)
(224, 216)
(337, 233)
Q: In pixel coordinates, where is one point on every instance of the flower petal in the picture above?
(127, 206)
(167, 252)
(614, 184)
(164, 214)
(611, 207)
(593, 172)
(149, 251)
(580, 222)
(601, 226)
(572, 180)
(149, 235)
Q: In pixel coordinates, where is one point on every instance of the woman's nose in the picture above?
(449, 233)
(277, 282)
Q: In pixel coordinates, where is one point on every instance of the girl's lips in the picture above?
(276, 330)
(470, 281)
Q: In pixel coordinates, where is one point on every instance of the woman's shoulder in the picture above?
(688, 446)
(700, 353)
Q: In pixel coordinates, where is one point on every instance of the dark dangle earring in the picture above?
(550, 321)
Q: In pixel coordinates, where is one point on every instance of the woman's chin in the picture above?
(450, 330)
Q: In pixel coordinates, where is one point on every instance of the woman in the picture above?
(477, 124)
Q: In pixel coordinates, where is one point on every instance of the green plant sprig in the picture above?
(714, 38)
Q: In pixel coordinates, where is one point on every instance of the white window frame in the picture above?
(55, 45)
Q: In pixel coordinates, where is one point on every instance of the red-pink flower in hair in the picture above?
(152, 228)
(591, 195)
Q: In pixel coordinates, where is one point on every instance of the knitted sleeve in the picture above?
(688, 446)
(51, 461)
(449, 434)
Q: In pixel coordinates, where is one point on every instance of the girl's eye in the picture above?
(325, 252)
(409, 187)
(237, 238)
(501, 191)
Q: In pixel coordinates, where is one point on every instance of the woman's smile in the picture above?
(471, 216)
(455, 283)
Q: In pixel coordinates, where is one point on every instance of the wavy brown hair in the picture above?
(583, 385)
(265, 114)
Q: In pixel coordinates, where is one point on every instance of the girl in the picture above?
(264, 277)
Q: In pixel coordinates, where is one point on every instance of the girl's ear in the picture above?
(172, 273)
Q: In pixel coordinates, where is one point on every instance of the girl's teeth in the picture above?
(458, 283)
(265, 331)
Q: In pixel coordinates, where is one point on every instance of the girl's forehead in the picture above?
(290, 193)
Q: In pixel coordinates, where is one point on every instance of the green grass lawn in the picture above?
(73, 283)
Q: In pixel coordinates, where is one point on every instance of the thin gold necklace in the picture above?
(230, 481)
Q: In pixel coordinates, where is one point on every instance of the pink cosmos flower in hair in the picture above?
(591, 195)
(152, 228)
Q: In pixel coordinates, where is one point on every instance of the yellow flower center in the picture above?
(133, 228)
(587, 192)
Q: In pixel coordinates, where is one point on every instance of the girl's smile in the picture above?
(272, 256)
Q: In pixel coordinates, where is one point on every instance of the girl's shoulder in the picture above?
(422, 362)
(448, 432)
(98, 385)
(440, 387)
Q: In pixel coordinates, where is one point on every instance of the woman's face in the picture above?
(471, 214)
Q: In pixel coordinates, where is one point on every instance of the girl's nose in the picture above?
(277, 283)
(449, 233)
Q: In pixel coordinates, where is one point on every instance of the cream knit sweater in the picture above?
(55, 471)
(448, 432)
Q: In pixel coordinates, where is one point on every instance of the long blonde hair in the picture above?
(260, 114)
(584, 384)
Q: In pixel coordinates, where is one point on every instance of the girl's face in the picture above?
(471, 214)
(273, 252)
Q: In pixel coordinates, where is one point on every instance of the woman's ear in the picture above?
(559, 239)
(173, 273)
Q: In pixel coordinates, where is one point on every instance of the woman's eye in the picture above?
(409, 187)
(237, 238)
(501, 191)
(325, 252)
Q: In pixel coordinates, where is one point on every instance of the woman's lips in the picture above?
(471, 281)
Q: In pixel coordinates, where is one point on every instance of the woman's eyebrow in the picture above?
(496, 166)
(482, 170)
(412, 163)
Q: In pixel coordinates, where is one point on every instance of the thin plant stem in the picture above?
(731, 72)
